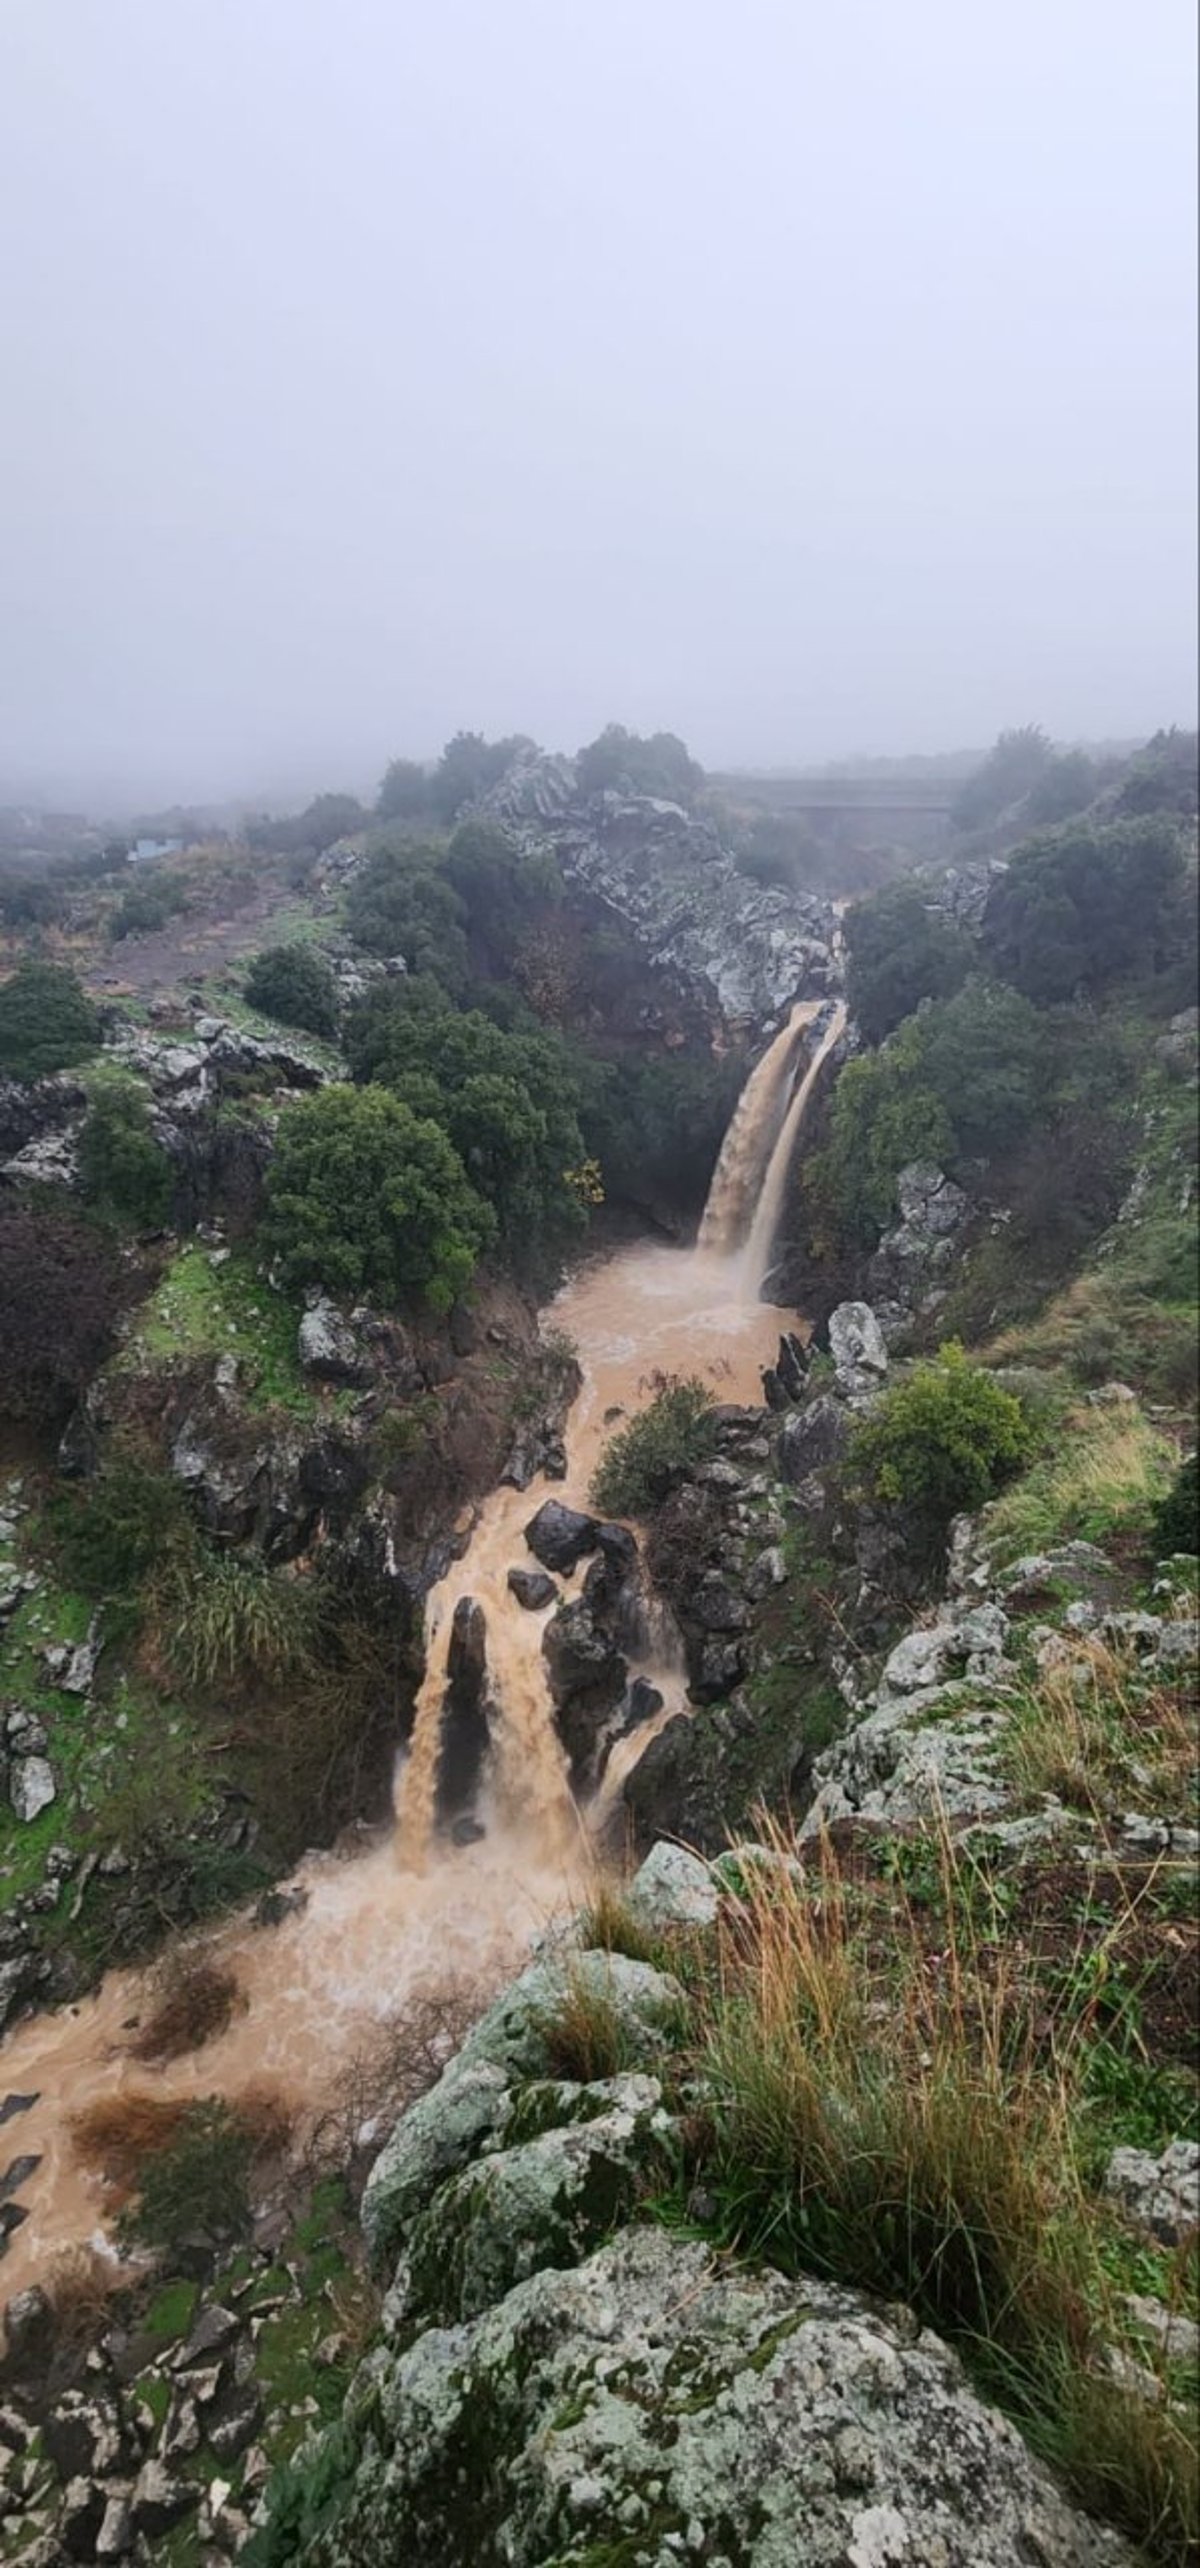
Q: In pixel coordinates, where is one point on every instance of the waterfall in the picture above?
(754, 1127)
(760, 1240)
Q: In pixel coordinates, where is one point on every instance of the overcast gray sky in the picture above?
(807, 376)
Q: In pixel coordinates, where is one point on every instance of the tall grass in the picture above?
(1103, 1735)
(893, 2117)
(1107, 1473)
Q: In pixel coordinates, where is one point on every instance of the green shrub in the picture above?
(148, 906)
(111, 1532)
(401, 903)
(1177, 1517)
(364, 1196)
(293, 984)
(196, 2190)
(222, 1617)
(942, 1441)
(125, 1171)
(643, 1460)
(47, 1022)
(901, 950)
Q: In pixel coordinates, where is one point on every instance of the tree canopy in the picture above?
(1006, 775)
(659, 764)
(47, 1022)
(901, 949)
(1086, 906)
(469, 766)
(401, 903)
(365, 1196)
(405, 792)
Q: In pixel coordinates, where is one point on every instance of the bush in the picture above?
(222, 1618)
(1177, 1517)
(47, 1022)
(901, 950)
(125, 1171)
(110, 1533)
(195, 2191)
(196, 2000)
(364, 1196)
(61, 1288)
(643, 1460)
(147, 906)
(401, 903)
(941, 1442)
(293, 984)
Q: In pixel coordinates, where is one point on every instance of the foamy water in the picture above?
(416, 1914)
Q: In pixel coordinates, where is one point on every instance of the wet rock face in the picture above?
(588, 1676)
(560, 1537)
(465, 1733)
(745, 950)
(856, 1343)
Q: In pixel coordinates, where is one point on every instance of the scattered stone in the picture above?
(159, 2501)
(1161, 2195)
(31, 1787)
(857, 1346)
(533, 1588)
(673, 1888)
(16, 2174)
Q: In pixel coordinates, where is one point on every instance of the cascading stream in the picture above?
(416, 1910)
(760, 1242)
(755, 1122)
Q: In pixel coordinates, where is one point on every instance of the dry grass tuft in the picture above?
(197, 1999)
(1102, 1735)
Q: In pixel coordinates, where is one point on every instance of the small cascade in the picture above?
(760, 1240)
(747, 1146)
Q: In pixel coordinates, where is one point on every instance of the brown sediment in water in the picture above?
(413, 1913)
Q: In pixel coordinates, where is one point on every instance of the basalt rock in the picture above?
(465, 1734)
(910, 1271)
(560, 1537)
(533, 1588)
(587, 1676)
(857, 1346)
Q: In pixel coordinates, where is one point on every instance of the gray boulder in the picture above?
(655, 2401)
(813, 1438)
(447, 2127)
(560, 1536)
(543, 2202)
(533, 1588)
(330, 1347)
(673, 1888)
(31, 1786)
(1161, 2195)
(856, 1343)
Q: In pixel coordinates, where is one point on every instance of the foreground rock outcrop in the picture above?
(562, 2381)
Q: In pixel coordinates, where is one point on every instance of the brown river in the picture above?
(414, 1913)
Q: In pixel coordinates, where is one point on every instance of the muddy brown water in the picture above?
(413, 1914)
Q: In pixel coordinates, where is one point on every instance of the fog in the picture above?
(807, 379)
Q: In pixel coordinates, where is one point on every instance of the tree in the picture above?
(468, 767)
(1068, 783)
(293, 984)
(901, 949)
(1165, 776)
(61, 1287)
(125, 1170)
(941, 1442)
(1085, 906)
(508, 1101)
(503, 891)
(405, 793)
(323, 821)
(401, 903)
(625, 762)
(1007, 774)
(47, 1022)
(147, 906)
(364, 1196)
